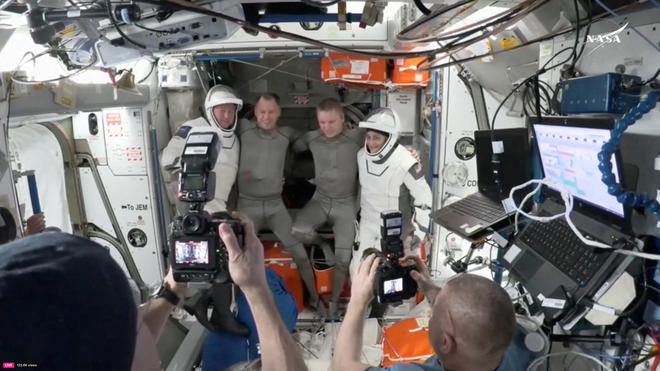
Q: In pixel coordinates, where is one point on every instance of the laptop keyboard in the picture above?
(481, 207)
(556, 242)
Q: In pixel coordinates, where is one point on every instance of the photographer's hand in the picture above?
(246, 263)
(349, 340)
(246, 267)
(362, 287)
(422, 276)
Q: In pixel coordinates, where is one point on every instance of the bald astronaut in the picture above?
(264, 147)
(334, 148)
(221, 107)
(385, 167)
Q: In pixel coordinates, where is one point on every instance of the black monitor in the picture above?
(515, 165)
(568, 148)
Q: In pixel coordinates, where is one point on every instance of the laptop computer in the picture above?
(476, 214)
(557, 268)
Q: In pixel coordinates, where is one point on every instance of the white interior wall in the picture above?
(34, 147)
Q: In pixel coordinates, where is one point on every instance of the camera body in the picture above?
(197, 253)
(393, 280)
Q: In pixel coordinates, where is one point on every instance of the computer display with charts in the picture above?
(570, 158)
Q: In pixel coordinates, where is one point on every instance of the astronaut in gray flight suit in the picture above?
(334, 148)
(264, 148)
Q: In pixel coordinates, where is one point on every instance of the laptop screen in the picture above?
(569, 156)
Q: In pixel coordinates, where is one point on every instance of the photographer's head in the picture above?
(222, 106)
(472, 323)
(65, 304)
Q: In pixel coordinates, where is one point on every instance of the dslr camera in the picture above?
(197, 252)
(394, 283)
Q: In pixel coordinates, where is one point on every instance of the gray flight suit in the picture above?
(260, 181)
(335, 199)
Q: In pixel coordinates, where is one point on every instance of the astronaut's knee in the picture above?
(303, 233)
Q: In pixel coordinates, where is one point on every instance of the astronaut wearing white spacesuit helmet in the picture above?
(221, 108)
(385, 166)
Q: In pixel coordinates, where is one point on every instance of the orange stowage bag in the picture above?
(406, 342)
(280, 261)
(324, 283)
(354, 70)
(324, 280)
(405, 74)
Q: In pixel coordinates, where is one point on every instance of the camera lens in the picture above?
(192, 224)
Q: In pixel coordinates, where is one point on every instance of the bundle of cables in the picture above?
(613, 187)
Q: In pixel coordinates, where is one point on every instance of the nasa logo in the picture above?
(607, 38)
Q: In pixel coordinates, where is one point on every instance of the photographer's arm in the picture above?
(349, 341)
(156, 311)
(246, 267)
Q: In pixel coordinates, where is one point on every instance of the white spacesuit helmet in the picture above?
(384, 120)
(221, 94)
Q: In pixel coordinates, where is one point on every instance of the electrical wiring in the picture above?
(652, 78)
(48, 51)
(401, 36)
(507, 18)
(422, 8)
(121, 33)
(537, 362)
(567, 197)
(539, 72)
(573, 55)
(181, 5)
(153, 67)
(429, 66)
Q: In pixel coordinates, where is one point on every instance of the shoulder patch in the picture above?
(416, 171)
(183, 131)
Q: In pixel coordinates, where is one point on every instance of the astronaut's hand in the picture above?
(422, 276)
(415, 154)
(246, 264)
(35, 224)
(362, 287)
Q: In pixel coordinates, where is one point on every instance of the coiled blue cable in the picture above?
(605, 155)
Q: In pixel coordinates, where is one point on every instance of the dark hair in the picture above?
(330, 104)
(268, 96)
(384, 133)
(65, 304)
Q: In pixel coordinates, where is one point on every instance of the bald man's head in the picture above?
(473, 322)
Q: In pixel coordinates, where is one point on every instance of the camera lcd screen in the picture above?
(393, 222)
(393, 286)
(193, 183)
(191, 252)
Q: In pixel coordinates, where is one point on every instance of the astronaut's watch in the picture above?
(166, 293)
